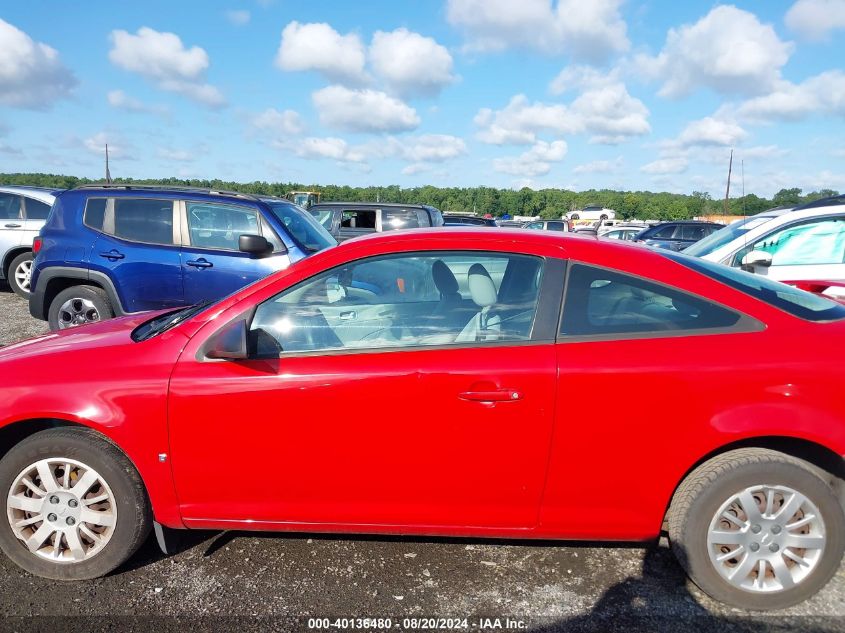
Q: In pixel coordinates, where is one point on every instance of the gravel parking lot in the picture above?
(242, 581)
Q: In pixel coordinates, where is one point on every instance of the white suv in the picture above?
(23, 211)
(802, 244)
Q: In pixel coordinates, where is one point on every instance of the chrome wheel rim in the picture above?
(766, 539)
(23, 274)
(61, 510)
(77, 311)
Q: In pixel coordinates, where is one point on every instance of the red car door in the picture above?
(413, 434)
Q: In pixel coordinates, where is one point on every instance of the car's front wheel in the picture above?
(79, 305)
(75, 505)
(757, 529)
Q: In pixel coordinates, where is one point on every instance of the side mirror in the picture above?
(757, 258)
(254, 245)
(229, 342)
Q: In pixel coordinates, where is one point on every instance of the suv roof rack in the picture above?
(173, 188)
(823, 202)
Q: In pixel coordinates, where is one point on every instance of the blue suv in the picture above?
(111, 250)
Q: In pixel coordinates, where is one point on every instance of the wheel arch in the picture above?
(57, 279)
(10, 255)
(829, 465)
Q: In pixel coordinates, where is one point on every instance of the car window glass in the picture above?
(144, 220)
(556, 226)
(36, 210)
(663, 233)
(95, 211)
(220, 226)
(408, 300)
(323, 216)
(534, 225)
(692, 232)
(352, 219)
(301, 226)
(602, 302)
(10, 206)
(811, 243)
(401, 219)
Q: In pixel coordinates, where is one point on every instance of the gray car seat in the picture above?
(486, 325)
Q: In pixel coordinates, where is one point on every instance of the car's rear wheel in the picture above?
(75, 505)
(757, 529)
(79, 305)
(20, 272)
(574, 216)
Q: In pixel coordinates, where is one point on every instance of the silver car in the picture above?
(23, 211)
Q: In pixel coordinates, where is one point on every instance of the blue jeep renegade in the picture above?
(110, 250)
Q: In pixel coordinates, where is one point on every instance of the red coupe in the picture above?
(421, 382)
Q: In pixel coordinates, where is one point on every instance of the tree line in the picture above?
(547, 203)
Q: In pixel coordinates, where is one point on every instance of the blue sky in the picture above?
(564, 93)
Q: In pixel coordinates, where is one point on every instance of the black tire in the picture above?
(134, 518)
(10, 276)
(574, 216)
(97, 297)
(703, 492)
(603, 217)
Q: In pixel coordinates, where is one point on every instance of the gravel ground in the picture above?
(243, 581)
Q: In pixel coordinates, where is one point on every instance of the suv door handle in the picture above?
(502, 395)
(113, 254)
(12, 225)
(202, 262)
(346, 316)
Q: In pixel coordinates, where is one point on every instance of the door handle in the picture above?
(113, 254)
(12, 225)
(346, 316)
(502, 395)
(200, 263)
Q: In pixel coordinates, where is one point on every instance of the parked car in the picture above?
(678, 235)
(807, 242)
(592, 212)
(345, 220)
(511, 224)
(626, 233)
(466, 348)
(463, 219)
(23, 211)
(547, 225)
(111, 250)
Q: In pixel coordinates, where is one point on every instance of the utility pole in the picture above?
(728, 190)
(108, 174)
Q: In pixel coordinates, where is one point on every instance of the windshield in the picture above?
(323, 216)
(726, 235)
(308, 233)
(804, 305)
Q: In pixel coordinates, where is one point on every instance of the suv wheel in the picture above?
(79, 305)
(757, 529)
(75, 507)
(20, 271)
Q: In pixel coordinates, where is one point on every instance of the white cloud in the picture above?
(604, 109)
(363, 110)
(122, 101)
(535, 162)
(118, 148)
(329, 147)
(815, 19)
(823, 94)
(672, 165)
(164, 60)
(728, 50)
(179, 155)
(280, 123)
(409, 63)
(599, 167)
(416, 168)
(238, 17)
(432, 148)
(591, 31)
(318, 47)
(520, 122)
(711, 131)
(31, 74)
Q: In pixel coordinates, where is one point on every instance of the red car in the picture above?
(415, 382)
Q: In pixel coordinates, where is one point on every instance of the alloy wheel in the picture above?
(23, 274)
(766, 539)
(61, 510)
(77, 311)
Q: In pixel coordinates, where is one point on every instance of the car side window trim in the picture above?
(186, 230)
(744, 325)
(543, 330)
(108, 227)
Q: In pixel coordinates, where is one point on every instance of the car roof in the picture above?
(170, 192)
(44, 194)
(373, 205)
